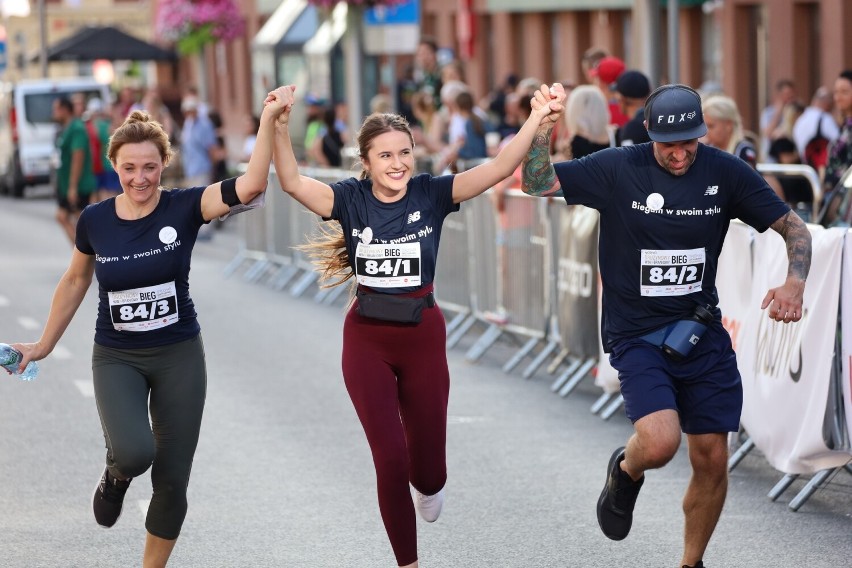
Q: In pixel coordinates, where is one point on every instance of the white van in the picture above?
(27, 130)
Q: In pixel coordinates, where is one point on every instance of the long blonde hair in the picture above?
(327, 248)
(587, 114)
(721, 107)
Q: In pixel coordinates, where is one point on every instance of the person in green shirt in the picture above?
(75, 181)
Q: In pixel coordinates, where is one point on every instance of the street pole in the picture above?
(42, 22)
(674, 51)
(352, 57)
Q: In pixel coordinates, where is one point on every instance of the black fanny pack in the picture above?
(390, 307)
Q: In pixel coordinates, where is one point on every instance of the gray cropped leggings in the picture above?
(175, 379)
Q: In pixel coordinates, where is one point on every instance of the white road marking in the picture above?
(28, 323)
(143, 506)
(86, 388)
(60, 352)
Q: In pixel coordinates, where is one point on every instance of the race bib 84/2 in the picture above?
(144, 309)
(671, 272)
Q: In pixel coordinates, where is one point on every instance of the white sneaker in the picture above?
(429, 506)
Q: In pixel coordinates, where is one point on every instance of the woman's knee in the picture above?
(133, 462)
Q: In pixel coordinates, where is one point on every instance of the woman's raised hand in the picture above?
(280, 102)
(548, 103)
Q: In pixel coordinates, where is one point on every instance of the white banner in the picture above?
(606, 377)
(786, 367)
(846, 324)
(733, 279)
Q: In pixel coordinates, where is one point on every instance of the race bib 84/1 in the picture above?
(388, 265)
(671, 272)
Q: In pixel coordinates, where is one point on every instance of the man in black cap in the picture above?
(664, 210)
(633, 87)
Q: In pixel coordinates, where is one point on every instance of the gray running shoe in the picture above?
(615, 505)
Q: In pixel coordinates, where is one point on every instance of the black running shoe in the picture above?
(108, 499)
(699, 564)
(615, 505)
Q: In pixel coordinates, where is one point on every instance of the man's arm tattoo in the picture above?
(798, 239)
(538, 176)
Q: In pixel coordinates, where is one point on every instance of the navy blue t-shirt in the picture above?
(393, 247)
(661, 234)
(142, 268)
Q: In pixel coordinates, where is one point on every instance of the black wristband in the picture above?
(229, 192)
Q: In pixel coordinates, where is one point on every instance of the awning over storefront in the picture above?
(282, 23)
(329, 32)
(570, 5)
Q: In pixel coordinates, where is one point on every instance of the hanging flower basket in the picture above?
(192, 24)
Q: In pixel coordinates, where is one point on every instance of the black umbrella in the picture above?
(91, 43)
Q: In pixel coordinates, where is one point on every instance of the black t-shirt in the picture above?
(660, 234)
(142, 268)
(581, 146)
(634, 132)
(393, 247)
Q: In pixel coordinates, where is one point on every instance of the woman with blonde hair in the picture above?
(725, 128)
(586, 120)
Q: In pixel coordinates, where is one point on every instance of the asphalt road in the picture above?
(283, 475)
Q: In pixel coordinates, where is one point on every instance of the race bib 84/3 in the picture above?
(144, 309)
(671, 272)
(388, 265)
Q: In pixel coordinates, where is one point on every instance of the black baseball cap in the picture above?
(633, 84)
(673, 114)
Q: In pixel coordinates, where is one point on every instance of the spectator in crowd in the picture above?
(97, 122)
(470, 144)
(328, 148)
(604, 76)
(427, 132)
(840, 151)
(796, 191)
(153, 104)
(252, 124)
(452, 70)
(633, 87)
(380, 103)
(725, 129)
(815, 130)
(495, 103)
(586, 118)
(590, 60)
(121, 108)
(75, 182)
(197, 142)
(427, 71)
(315, 111)
(771, 117)
(218, 152)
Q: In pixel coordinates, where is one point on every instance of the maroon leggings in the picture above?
(398, 380)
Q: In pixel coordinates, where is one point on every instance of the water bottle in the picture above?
(9, 359)
(687, 333)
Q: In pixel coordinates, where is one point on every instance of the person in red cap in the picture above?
(607, 72)
(665, 208)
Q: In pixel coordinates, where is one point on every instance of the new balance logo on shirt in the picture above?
(413, 217)
(712, 190)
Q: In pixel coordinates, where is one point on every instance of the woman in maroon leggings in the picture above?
(394, 336)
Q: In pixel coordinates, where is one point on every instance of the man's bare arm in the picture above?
(539, 178)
